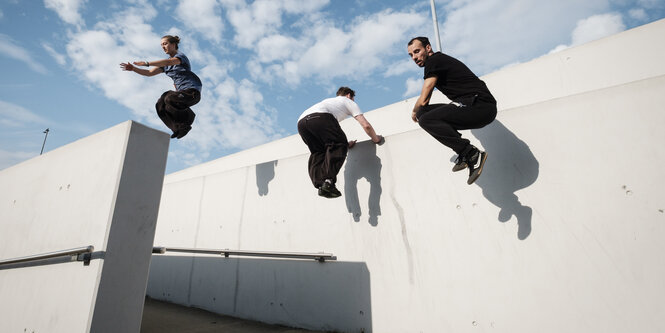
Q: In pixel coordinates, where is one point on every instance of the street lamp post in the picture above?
(436, 27)
(43, 144)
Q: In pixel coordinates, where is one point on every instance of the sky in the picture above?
(262, 62)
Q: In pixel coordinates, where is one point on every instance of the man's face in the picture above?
(418, 52)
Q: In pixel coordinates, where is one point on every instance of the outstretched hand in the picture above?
(381, 140)
(413, 116)
(126, 66)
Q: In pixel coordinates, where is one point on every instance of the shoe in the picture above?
(460, 164)
(183, 131)
(324, 194)
(476, 163)
(329, 190)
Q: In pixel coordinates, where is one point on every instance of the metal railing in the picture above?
(321, 257)
(82, 254)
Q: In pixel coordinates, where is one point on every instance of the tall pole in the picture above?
(43, 144)
(436, 27)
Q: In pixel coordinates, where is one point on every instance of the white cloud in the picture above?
(325, 52)
(486, 34)
(596, 27)
(593, 28)
(638, 14)
(68, 10)
(255, 21)
(303, 6)
(11, 50)
(203, 16)
(413, 87)
(96, 54)
(58, 57)
(401, 67)
(12, 115)
(263, 17)
(276, 48)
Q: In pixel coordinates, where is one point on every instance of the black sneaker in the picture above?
(323, 194)
(329, 190)
(183, 131)
(460, 164)
(476, 163)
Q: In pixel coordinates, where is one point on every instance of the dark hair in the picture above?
(343, 91)
(173, 40)
(423, 40)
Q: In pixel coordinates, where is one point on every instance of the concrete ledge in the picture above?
(104, 191)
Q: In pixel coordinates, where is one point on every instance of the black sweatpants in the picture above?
(327, 144)
(173, 107)
(442, 121)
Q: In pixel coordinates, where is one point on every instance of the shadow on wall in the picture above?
(362, 162)
(330, 296)
(265, 172)
(510, 166)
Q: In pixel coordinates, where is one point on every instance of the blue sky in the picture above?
(262, 62)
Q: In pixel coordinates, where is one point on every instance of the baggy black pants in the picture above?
(442, 121)
(173, 107)
(327, 144)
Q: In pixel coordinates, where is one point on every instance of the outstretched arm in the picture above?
(425, 95)
(154, 70)
(368, 128)
(159, 63)
(145, 72)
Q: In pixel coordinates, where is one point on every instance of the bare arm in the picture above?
(154, 70)
(425, 95)
(368, 128)
(159, 63)
(145, 72)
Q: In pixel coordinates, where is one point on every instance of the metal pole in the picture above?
(43, 144)
(436, 27)
(78, 250)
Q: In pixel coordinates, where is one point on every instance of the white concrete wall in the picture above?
(562, 233)
(102, 190)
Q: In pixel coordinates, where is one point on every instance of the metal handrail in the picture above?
(63, 253)
(226, 253)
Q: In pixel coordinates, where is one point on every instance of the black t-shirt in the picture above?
(454, 79)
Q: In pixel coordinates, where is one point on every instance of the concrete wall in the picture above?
(102, 190)
(562, 232)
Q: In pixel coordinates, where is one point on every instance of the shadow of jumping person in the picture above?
(510, 166)
(362, 162)
(265, 172)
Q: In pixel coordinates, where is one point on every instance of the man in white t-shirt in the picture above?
(319, 127)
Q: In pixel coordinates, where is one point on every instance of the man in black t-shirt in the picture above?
(473, 106)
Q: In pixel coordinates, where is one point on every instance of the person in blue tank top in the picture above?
(173, 107)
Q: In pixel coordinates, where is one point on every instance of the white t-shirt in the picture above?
(341, 107)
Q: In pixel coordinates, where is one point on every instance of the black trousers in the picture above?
(173, 108)
(327, 144)
(443, 121)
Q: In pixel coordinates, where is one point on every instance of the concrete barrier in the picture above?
(562, 232)
(103, 191)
